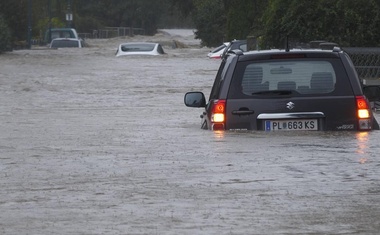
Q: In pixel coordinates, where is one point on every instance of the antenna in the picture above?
(287, 43)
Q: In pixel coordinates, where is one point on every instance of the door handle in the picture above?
(243, 112)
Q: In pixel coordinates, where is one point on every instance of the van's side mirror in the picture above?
(372, 92)
(195, 99)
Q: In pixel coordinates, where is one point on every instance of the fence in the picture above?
(110, 32)
(366, 61)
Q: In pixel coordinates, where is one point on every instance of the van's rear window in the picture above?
(299, 77)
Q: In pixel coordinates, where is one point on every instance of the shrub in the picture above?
(5, 36)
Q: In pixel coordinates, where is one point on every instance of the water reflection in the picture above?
(362, 145)
(219, 134)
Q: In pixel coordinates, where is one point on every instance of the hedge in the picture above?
(5, 36)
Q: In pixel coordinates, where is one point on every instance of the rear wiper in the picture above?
(273, 92)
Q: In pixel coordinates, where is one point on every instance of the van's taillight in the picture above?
(363, 107)
(218, 115)
(364, 113)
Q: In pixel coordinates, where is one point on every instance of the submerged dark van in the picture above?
(292, 90)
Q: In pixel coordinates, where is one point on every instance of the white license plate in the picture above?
(292, 125)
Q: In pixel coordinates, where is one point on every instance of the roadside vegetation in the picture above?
(346, 22)
(5, 36)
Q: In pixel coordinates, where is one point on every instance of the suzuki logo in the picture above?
(290, 105)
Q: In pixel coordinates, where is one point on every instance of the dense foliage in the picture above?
(346, 22)
(144, 14)
(89, 15)
(5, 36)
(210, 21)
(13, 22)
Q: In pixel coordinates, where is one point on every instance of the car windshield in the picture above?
(302, 77)
(137, 47)
(64, 43)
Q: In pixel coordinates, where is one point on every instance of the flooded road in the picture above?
(93, 144)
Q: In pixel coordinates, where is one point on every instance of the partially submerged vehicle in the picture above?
(223, 49)
(66, 42)
(53, 33)
(139, 48)
(217, 52)
(292, 90)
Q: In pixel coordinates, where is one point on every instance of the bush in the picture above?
(5, 36)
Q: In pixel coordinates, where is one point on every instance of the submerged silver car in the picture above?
(139, 48)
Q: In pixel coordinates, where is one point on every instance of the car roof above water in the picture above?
(66, 42)
(139, 48)
(283, 54)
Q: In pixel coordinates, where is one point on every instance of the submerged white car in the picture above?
(139, 48)
(218, 52)
(66, 42)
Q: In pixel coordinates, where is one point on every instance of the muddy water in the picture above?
(93, 144)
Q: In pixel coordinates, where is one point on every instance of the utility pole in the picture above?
(29, 37)
(69, 14)
(49, 9)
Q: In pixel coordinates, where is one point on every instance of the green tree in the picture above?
(239, 18)
(346, 22)
(359, 23)
(15, 16)
(179, 14)
(210, 21)
(244, 18)
(143, 14)
(185, 7)
(5, 36)
(217, 21)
